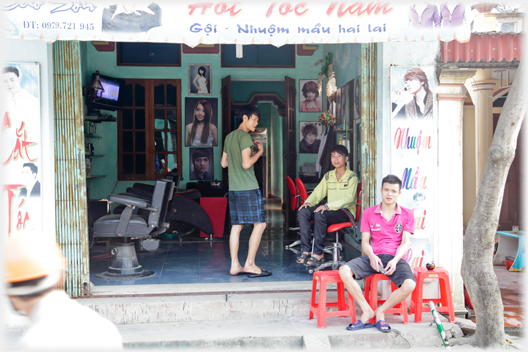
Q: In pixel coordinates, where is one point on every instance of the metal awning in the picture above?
(484, 48)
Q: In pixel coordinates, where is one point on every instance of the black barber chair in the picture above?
(127, 227)
(185, 212)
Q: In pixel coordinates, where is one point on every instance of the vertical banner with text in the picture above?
(20, 147)
(412, 152)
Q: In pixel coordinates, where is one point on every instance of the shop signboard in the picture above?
(413, 151)
(238, 22)
(20, 147)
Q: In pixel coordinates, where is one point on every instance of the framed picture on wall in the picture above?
(201, 121)
(200, 76)
(201, 164)
(309, 98)
(310, 137)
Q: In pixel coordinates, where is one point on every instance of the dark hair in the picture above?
(204, 71)
(247, 110)
(33, 167)
(8, 69)
(419, 74)
(200, 153)
(309, 128)
(340, 149)
(392, 179)
(308, 87)
(208, 113)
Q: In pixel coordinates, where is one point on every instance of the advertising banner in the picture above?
(237, 22)
(20, 147)
(412, 152)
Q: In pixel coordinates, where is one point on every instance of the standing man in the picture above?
(339, 186)
(33, 272)
(245, 198)
(386, 234)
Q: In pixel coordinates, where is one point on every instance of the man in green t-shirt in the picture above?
(245, 198)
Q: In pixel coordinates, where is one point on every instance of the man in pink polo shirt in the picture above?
(386, 231)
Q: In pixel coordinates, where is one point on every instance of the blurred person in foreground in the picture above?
(33, 273)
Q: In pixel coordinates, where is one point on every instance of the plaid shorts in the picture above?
(246, 207)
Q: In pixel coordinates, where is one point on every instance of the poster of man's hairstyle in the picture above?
(309, 137)
(201, 164)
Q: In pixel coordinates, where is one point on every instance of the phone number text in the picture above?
(58, 25)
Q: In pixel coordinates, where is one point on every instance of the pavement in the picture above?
(264, 316)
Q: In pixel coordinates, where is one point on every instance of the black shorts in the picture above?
(246, 207)
(361, 268)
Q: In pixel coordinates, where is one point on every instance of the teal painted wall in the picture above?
(106, 63)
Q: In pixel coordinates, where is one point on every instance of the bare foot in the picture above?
(251, 269)
(236, 270)
(366, 316)
(316, 256)
(379, 315)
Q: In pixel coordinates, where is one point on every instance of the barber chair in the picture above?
(350, 228)
(298, 194)
(127, 227)
(185, 213)
(294, 201)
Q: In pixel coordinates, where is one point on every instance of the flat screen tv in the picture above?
(110, 98)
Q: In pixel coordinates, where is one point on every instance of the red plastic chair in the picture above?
(371, 295)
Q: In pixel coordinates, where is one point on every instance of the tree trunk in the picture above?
(479, 240)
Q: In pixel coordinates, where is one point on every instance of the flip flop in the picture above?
(263, 272)
(240, 273)
(359, 325)
(302, 258)
(380, 324)
(315, 261)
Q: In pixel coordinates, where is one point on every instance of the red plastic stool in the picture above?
(324, 277)
(417, 300)
(371, 295)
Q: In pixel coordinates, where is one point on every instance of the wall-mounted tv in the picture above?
(110, 98)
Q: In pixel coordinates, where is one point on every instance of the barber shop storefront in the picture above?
(110, 108)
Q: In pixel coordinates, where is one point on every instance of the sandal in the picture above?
(302, 258)
(314, 261)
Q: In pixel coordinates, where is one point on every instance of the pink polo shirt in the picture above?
(386, 236)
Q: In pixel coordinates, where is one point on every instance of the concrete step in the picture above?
(220, 307)
(285, 333)
(198, 302)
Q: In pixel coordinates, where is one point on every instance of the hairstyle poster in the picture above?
(201, 164)
(200, 76)
(201, 122)
(413, 151)
(309, 98)
(309, 137)
(20, 147)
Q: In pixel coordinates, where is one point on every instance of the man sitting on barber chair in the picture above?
(339, 186)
